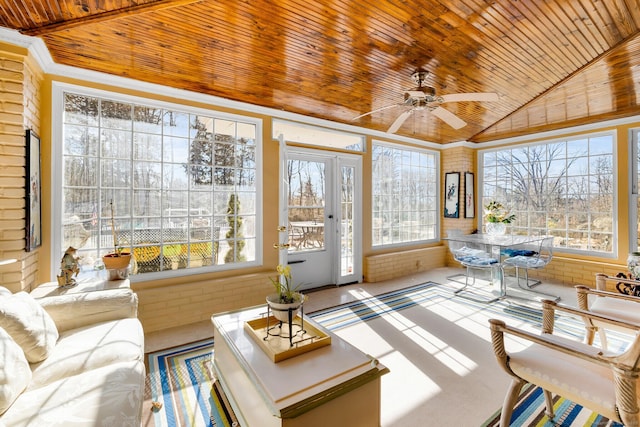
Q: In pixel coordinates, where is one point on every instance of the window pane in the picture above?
(116, 115)
(80, 109)
(565, 189)
(404, 189)
(155, 168)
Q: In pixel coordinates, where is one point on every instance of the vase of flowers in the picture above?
(497, 217)
(286, 300)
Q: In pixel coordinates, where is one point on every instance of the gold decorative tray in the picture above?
(276, 343)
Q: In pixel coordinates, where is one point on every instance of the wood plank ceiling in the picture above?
(553, 63)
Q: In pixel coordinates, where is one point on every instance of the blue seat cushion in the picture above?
(525, 262)
(518, 252)
(475, 260)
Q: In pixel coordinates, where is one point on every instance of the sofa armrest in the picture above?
(86, 308)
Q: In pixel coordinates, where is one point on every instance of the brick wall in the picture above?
(397, 264)
(169, 306)
(459, 159)
(573, 272)
(20, 81)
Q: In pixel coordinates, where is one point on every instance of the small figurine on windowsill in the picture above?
(68, 268)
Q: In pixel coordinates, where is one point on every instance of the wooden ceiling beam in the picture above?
(107, 16)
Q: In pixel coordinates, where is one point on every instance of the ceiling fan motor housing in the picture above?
(421, 96)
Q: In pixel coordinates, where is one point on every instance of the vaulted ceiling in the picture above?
(553, 63)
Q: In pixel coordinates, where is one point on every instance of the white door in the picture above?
(323, 218)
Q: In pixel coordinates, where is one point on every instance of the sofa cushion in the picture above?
(14, 371)
(83, 349)
(107, 396)
(71, 311)
(29, 325)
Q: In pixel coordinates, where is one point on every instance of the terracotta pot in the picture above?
(115, 262)
(281, 310)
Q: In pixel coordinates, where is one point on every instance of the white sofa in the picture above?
(71, 360)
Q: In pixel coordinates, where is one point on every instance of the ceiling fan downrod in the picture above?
(427, 94)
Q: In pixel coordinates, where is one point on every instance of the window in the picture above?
(634, 200)
(405, 194)
(561, 188)
(179, 186)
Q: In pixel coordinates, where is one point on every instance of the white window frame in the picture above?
(634, 177)
(614, 244)
(437, 198)
(57, 111)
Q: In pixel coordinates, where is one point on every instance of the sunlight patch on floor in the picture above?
(417, 388)
(362, 336)
(440, 350)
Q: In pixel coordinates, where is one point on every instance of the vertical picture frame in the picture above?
(469, 196)
(452, 195)
(33, 192)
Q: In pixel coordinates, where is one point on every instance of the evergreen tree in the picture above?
(234, 235)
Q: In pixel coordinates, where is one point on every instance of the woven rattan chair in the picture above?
(611, 304)
(589, 376)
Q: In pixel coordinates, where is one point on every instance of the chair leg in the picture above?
(626, 398)
(526, 287)
(603, 338)
(466, 283)
(526, 280)
(510, 401)
(459, 292)
(548, 400)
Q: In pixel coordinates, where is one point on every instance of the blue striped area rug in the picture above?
(181, 377)
(181, 380)
(529, 411)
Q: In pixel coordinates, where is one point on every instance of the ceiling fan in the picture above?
(424, 98)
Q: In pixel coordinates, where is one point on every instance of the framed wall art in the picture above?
(452, 195)
(33, 188)
(469, 196)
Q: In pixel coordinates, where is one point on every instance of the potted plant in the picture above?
(286, 298)
(118, 259)
(497, 217)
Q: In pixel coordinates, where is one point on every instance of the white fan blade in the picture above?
(399, 121)
(477, 96)
(376, 110)
(449, 118)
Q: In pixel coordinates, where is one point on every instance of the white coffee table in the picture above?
(334, 385)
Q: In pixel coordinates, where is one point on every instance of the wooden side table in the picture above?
(84, 285)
